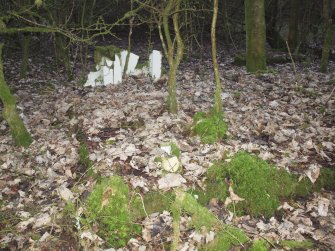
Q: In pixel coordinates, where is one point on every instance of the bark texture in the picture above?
(255, 34)
(173, 49)
(293, 33)
(330, 30)
(217, 97)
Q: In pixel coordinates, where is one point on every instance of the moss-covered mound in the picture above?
(107, 206)
(210, 127)
(153, 202)
(202, 218)
(260, 184)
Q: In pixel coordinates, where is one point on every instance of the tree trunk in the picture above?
(255, 35)
(172, 90)
(173, 49)
(293, 32)
(63, 54)
(25, 55)
(19, 132)
(217, 97)
(272, 35)
(330, 29)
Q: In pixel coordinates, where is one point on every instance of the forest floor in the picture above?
(284, 118)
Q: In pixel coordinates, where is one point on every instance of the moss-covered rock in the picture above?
(107, 206)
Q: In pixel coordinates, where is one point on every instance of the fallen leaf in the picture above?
(171, 180)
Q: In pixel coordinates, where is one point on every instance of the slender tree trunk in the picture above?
(330, 29)
(271, 17)
(63, 54)
(293, 33)
(174, 49)
(255, 34)
(25, 55)
(18, 130)
(217, 96)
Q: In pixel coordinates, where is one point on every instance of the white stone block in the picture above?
(111, 72)
(94, 78)
(117, 70)
(155, 64)
(108, 75)
(132, 62)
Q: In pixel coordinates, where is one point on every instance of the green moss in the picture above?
(210, 127)
(105, 51)
(236, 94)
(8, 222)
(323, 110)
(107, 205)
(201, 217)
(84, 158)
(326, 179)
(259, 245)
(158, 159)
(155, 201)
(110, 142)
(261, 185)
(175, 151)
(215, 186)
(291, 244)
(225, 239)
(303, 187)
(140, 66)
(134, 124)
(69, 209)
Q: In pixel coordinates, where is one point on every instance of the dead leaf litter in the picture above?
(284, 118)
